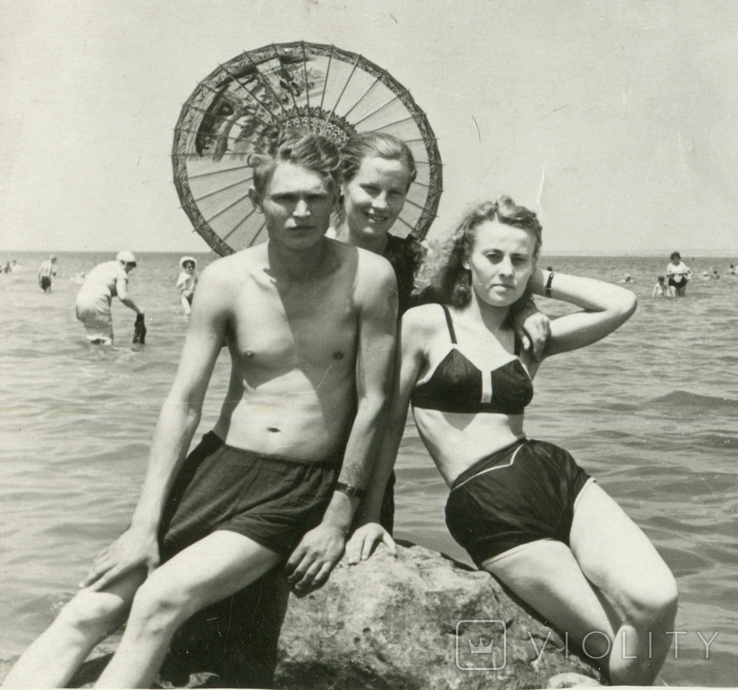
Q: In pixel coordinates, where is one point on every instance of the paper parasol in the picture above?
(328, 90)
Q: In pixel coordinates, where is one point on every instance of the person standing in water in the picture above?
(102, 283)
(186, 282)
(310, 325)
(45, 273)
(524, 510)
(678, 275)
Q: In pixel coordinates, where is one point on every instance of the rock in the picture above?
(391, 623)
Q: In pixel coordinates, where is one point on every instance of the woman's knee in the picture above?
(654, 603)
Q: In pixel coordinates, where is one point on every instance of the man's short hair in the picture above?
(299, 147)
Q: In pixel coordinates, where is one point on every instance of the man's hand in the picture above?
(130, 551)
(365, 539)
(314, 558)
(533, 328)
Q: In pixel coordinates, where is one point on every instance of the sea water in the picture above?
(651, 412)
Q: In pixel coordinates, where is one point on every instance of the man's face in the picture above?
(297, 206)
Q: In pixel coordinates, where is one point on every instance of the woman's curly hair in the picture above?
(298, 146)
(443, 275)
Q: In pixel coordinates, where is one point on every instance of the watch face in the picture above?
(349, 489)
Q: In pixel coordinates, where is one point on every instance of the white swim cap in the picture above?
(185, 259)
(126, 257)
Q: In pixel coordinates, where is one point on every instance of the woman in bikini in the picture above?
(378, 170)
(523, 509)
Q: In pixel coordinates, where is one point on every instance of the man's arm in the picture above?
(320, 549)
(180, 414)
(410, 359)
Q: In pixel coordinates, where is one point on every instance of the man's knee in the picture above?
(93, 612)
(160, 604)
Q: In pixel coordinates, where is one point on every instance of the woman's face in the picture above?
(501, 263)
(375, 196)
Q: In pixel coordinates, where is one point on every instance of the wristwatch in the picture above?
(350, 490)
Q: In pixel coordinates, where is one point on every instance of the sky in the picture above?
(616, 120)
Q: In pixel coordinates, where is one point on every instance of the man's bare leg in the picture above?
(206, 572)
(52, 660)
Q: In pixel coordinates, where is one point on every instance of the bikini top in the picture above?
(457, 385)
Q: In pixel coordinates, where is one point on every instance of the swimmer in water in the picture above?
(661, 289)
(678, 274)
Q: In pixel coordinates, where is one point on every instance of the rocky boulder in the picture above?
(407, 622)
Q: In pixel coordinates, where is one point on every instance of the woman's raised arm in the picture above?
(605, 307)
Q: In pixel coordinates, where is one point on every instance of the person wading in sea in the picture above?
(105, 281)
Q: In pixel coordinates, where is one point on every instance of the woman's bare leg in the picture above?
(619, 559)
(185, 305)
(609, 554)
(548, 578)
(208, 571)
(52, 660)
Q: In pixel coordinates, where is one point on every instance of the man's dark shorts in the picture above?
(269, 499)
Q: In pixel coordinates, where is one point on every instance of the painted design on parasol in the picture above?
(323, 88)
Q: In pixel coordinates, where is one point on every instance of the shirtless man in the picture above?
(310, 326)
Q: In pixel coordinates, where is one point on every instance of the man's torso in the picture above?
(293, 346)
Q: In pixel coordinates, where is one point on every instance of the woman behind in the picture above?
(378, 170)
(523, 509)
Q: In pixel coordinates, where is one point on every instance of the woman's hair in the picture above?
(299, 147)
(370, 144)
(443, 271)
(676, 256)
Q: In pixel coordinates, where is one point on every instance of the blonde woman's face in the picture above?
(501, 263)
(375, 196)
